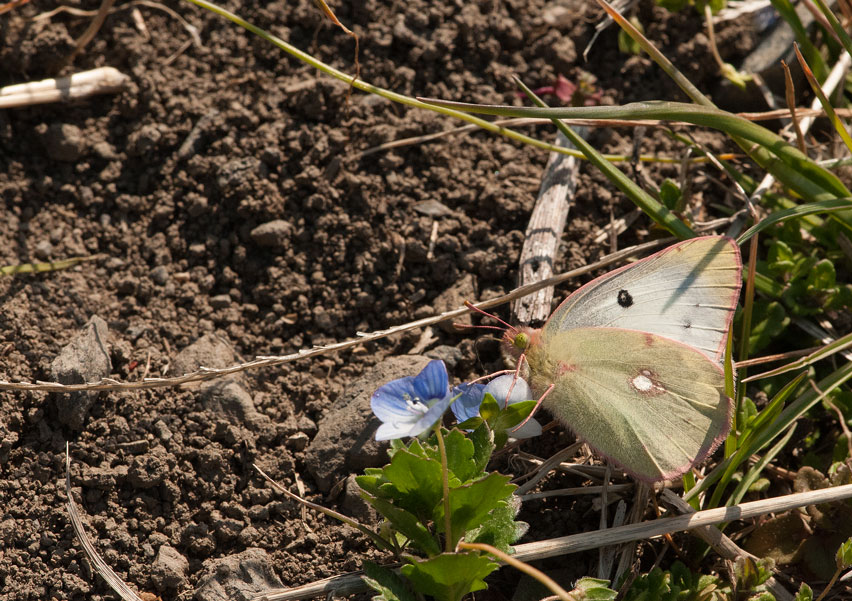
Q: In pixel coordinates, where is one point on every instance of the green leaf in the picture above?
(628, 45)
(489, 409)
(780, 258)
(768, 321)
(459, 457)
(449, 576)
(500, 529)
(593, 589)
(407, 524)
(483, 445)
(387, 583)
(843, 558)
(471, 503)
(414, 482)
(471, 424)
(822, 277)
(805, 593)
(514, 414)
(670, 194)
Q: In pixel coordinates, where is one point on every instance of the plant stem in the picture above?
(523, 567)
(445, 473)
(829, 585)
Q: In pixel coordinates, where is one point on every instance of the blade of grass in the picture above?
(762, 156)
(787, 418)
(371, 89)
(44, 267)
(808, 178)
(825, 206)
(823, 100)
(826, 351)
(754, 473)
(654, 209)
(788, 12)
(744, 449)
(844, 38)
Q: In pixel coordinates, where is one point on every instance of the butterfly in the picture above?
(631, 362)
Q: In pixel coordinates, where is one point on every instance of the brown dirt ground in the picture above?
(276, 141)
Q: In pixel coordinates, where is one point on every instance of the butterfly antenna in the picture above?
(537, 405)
(473, 307)
(469, 326)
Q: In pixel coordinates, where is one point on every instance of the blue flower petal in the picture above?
(467, 405)
(432, 382)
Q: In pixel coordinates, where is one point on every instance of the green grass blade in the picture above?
(788, 12)
(754, 473)
(823, 100)
(826, 351)
(823, 206)
(746, 448)
(844, 38)
(44, 267)
(654, 209)
(787, 418)
(796, 170)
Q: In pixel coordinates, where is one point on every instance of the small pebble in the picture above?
(43, 250)
(220, 301)
(160, 275)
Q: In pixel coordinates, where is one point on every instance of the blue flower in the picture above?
(409, 406)
(467, 405)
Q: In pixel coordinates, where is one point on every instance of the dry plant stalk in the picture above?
(104, 80)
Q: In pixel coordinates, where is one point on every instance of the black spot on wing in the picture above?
(624, 298)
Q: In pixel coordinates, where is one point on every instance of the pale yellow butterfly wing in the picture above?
(686, 292)
(652, 405)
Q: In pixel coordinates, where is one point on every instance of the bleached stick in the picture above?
(104, 80)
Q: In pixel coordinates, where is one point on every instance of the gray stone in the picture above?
(239, 577)
(84, 359)
(345, 441)
(169, 569)
(43, 249)
(356, 506)
(453, 298)
(64, 142)
(273, 234)
(207, 351)
(228, 398)
(220, 301)
(159, 275)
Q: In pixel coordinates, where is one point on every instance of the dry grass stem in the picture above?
(104, 80)
(204, 374)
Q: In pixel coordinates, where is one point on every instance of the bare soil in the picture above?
(268, 139)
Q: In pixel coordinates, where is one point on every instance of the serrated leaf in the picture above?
(843, 558)
(593, 589)
(805, 593)
(449, 576)
(387, 583)
(500, 529)
(415, 482)
(459, 456)
(471, 503)
(483, 445)
(406, 523)
(670, 194)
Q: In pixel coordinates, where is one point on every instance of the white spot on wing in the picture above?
(642, 383)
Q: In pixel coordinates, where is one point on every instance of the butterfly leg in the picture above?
(537, 405)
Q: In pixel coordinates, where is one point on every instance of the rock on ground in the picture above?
(84, 359)
(345, 441)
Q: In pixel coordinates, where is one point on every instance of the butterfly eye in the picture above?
(521, 341)
(624, 298)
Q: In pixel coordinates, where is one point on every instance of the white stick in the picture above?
(103, 80)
